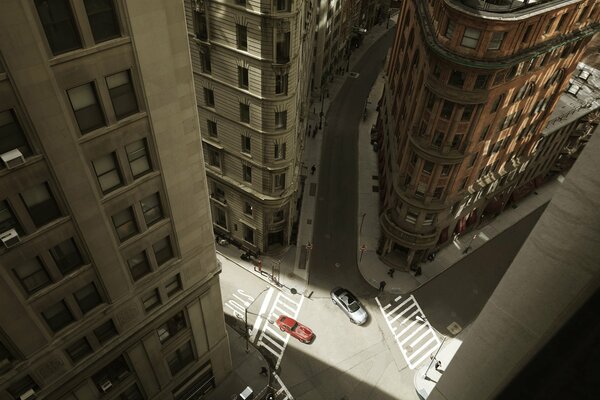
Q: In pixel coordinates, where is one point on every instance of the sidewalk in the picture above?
(245, 373)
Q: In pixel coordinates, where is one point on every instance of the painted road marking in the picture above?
(414, 335)
(283, 393)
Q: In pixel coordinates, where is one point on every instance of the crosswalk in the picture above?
(271, 338)
(412, 332)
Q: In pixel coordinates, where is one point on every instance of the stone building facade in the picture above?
(470, 86)
(251, 61)
(109, 284)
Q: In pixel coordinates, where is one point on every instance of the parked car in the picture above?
(295, 328)
(350, 305)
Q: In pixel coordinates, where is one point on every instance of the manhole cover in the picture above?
(354, 75)
(293, 291)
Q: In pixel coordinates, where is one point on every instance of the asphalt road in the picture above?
(333, 259)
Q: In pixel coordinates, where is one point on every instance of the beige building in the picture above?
(251, 62)
(109, 285)
(470, 87)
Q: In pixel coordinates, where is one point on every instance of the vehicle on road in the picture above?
(350, 305)
(295, 328)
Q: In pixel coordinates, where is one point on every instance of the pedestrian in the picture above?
(438, 365)
(381, 286)
(264, 371)
(391, 272)
(418, 271)
(313, 169)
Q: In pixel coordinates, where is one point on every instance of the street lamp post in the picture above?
(247, 333)
(469, 245)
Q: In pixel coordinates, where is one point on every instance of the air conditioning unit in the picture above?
(12, 158)
(105, 385)
(10, 238)
(28, 395)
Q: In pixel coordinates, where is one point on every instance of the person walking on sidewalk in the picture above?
(381, 286)
(264, 371)
(391, 272)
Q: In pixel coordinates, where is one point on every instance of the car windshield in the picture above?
(294, 326)
(353, 306)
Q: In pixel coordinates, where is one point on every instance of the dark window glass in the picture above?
(107, 172)
(248, 234)
(163, 250)
(212, 128)
(11, 135)
(88, 298)
(106, 331)
(281, 119)
(22, 386)
(122, 95)
(66, 256)
(243, 77)
(79, 350)
(113, 373)
(241, 37)
(88, 113)
(209, 97)
(497, 103)
(200, 21)
(467, 113)
(279, 151)
(247, 173)
(8, 220)
(138, 266)
(170, 328)
(245, 113)
(447, 109)
(41, 205)
(57, 19)
(205, 63)
(282, 47)
(427, 168)
(281, 83)
(58, 316)
(32, 275)
(457, 78)
(173, 285)
(125, 225)
(446, 170)
(180, 358)
(139, 160)
(151, 300)
(481, 81)
(152, 209)
(103, 19)
(246, 144)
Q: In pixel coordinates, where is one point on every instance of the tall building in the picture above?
(470, 85)
(109, 284)
(251, 62)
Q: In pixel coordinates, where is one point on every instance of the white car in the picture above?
(350, 305)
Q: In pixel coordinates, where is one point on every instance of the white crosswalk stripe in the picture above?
(412, 332)
(271, 338)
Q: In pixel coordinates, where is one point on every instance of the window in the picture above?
(199, 21)
(32, 275)
(526, 34)
(420, 190)
(103, 19)
(173, 285)
(180, 358)
(438, 139)
(427, 168)
(240, 2)
(279, 151)
(11, 135)
(114, 373)
(241, 37)
(497, 103)
(284, 5)
(106, 331)
(430, 101)
(88, 113)
(450, 29)
(496, 41)
(209, 97)
(282, 47)
(411, 217)
(41, 205)
(573, 89)
(457, 78)
(124, 223)
(583, 14)
(151, 208)
(463, 184)
(280, 119)
(59, 26)
(247, 173)
(278, 216)
(280, 181)
(470, 38)
(473, 159)
(88, 298)
(79, 350)
(170, 328)
(138, 266)
(484, 133)
(248, 234)
(67, 257)
(549, 25)
(163, 251)
(437, 193)
(245, 113)
(281, 83)
(446, 170)
(481, 81)
(457, 140)
(561, 22)
(447, 109)
(137, 155)
(429, 218)
(246, 144)
(7, 219)
(467, 113)
(214, 157)
(58, 316)
(247, 208)
(22, 386)
(243, 77)
(220, 217)
(107, 172)
(212, 128)
(122, 94)
(151, 300)
(205, 64)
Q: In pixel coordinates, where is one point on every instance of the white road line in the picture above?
(273, 341)
(263, 308)
(406, 339)
(283, 388)
(397, 307)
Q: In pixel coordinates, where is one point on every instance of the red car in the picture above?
(295, 328)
